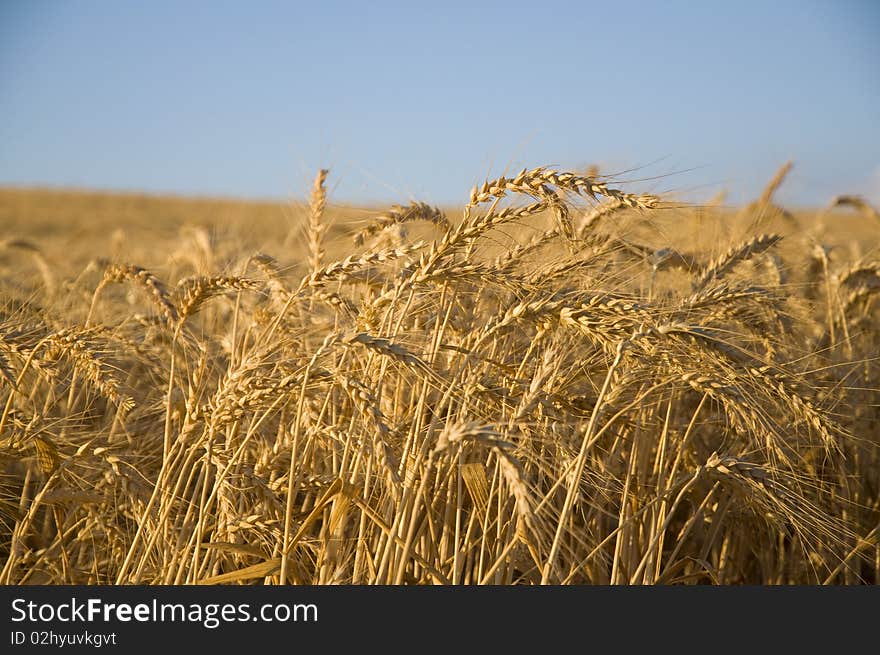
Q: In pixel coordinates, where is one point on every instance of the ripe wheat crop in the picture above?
(562, 382)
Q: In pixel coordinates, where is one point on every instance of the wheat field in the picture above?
(562, 381)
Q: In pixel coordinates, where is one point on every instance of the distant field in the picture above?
(559, 381)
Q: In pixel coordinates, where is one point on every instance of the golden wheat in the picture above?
(566, 384)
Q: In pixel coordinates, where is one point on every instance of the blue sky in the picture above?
(410, 100)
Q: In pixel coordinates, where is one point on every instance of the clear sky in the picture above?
(412, 100)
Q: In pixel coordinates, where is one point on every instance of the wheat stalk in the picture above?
(317, 202)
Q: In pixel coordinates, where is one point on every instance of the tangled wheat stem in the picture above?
(658, 535)
(289, 539)
(581, 460)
